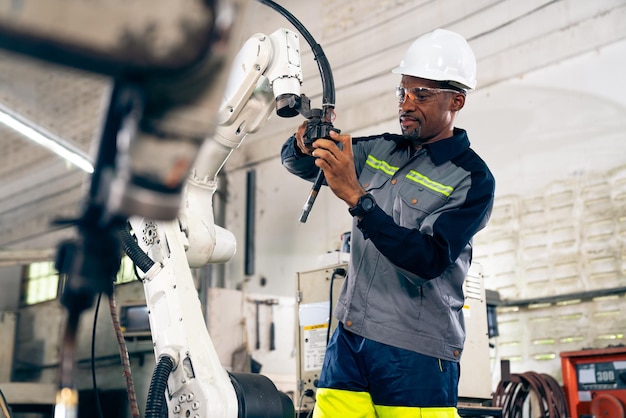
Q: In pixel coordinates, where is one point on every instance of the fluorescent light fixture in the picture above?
(57, 145)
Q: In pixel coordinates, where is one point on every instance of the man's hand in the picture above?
(335, 158)
(300, 140)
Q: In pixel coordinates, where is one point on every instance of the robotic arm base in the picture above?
(259, 398)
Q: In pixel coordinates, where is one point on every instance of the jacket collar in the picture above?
(449, 148)
(439, 151)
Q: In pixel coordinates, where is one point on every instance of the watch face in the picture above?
(368, 203)
(365, 205)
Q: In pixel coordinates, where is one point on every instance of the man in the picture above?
(417, 200)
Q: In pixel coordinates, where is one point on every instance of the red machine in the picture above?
(595, 382)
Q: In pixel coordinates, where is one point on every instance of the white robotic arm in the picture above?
(266, 70)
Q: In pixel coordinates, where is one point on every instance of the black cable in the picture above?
(133, 250)
(328, 85)
(93, 358)
(341, 272)
(330, 307)
(309, 393)
(301, 400)
(156, 403)
(328, 94)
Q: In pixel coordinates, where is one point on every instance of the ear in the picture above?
(457, 102)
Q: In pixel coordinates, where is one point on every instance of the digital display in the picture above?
(605, 376)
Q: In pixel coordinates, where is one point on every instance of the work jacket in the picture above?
(409, 257)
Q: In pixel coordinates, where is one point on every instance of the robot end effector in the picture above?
(267, 69)
(266, 74)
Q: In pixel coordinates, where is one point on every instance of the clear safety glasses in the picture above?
(420, 94)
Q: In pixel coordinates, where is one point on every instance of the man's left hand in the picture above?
(335, 158)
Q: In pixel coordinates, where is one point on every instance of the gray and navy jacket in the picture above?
(409, 258)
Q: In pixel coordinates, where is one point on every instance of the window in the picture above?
(127, 271)
(41, 280)
(41, 283)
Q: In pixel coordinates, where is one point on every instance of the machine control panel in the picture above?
(594, 381)
(608, 375)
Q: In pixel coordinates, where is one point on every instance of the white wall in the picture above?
(557, 123)
(10, 277)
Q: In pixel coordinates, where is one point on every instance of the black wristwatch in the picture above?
(366, 204)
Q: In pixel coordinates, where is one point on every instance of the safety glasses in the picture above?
(420, 94)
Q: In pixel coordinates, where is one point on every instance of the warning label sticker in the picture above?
(314, 347)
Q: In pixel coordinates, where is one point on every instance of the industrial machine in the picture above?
(475, 381)
(155, 174)
(594, 381)
(316, 295)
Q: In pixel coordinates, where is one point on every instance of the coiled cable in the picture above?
(540, 390)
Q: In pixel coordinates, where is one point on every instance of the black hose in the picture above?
(328, 84)
(96, 392)
(134, 252)
(340, 272)
(156, 403)
(328, 94)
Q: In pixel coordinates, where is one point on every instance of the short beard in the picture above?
(414, 137)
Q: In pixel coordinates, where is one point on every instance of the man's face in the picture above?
(426, 109)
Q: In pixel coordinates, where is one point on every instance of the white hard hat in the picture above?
(440, 55)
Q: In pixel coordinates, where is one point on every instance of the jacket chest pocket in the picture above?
(413, 202)
(372, 180)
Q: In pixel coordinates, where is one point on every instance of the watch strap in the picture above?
(366, 204)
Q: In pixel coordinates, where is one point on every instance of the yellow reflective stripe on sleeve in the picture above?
(415, 412)
(336, 403)
(381, 165)
(432, 185)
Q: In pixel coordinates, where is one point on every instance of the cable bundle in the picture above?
(546, 395)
